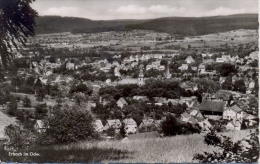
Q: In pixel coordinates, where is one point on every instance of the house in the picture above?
(147, 124)
(193, 120)
(117, 72)
(185, 117)
(108, 81)
(222, 79)
(187, 99)
(233, 112)
(70, 66)
(189, 86)
(160, 100)
(251, 119)
(148, 67)
(121, 102)
(130, 126)
(39, 126)
(194, 68)
(251, 84)
(223, 95)
(184, 67)
(233, 125)
(201, 68)
(98, 126)
(214, 108)
(189, 60)
(220, 60)
(161, 68)
(141, 98)
(254, 55)
(195, 112)
(204, 124)
(173, 101)
(115, 124)
(115, 63)
(227, 57)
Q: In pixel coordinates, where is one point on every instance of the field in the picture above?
(163, 150)
(34, 102)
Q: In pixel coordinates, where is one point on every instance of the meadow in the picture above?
(163, 150)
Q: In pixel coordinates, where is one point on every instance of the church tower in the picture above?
(141, 75)
(167, 74)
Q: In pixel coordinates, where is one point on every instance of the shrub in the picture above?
(67, 125)
(171, 127)
(242, 151)
(18, 138)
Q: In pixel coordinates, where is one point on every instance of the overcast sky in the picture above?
(143, 9)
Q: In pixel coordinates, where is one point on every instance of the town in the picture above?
(136, 84)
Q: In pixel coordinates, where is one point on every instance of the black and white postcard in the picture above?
(129, 81)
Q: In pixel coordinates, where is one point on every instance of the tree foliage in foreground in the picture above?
(70, 124)
(18, 138)
(242, 151)
(17, 21)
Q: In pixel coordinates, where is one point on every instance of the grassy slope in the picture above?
(171, 149)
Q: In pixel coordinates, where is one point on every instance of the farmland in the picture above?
(234, 38)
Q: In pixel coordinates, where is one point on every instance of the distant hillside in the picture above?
(199, 26)
(173, 25)
(55, 24)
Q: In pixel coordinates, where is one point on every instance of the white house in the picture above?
(184, 67)
(116, 124)
(39, 126)
(233, 112)
(121, 102)
(251, 84)
(204, 124)
(70, 66)
(98, 126)
(108, 81)
(233, 125)
(161, 67)
(130, 125)
(148, 122)
(220, 60)
(189, 60)
(185, 117)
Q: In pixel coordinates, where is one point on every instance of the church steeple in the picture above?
(167, 74)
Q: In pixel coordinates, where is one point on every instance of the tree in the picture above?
(12, 107)
(111, 132)
(70, 124)
(240, 86)
(80, 97)
(41, 111)
(17, 22)
(18, 138)
(81, 88)
(227, 85)
(26, 102)
(241, 151)
(122, 131)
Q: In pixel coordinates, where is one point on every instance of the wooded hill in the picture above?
(174, 25)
